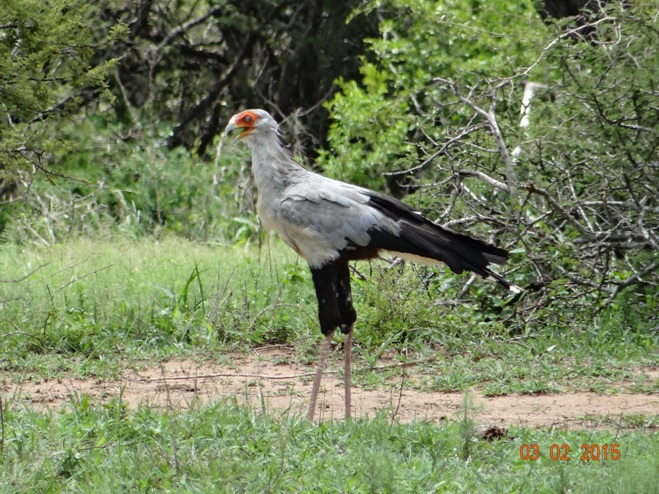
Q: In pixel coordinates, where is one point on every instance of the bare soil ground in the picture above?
(263, 379)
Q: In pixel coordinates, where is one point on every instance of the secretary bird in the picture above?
(330, 223)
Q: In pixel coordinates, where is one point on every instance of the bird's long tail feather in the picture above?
(421, 240)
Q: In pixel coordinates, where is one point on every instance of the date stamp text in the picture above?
(562, 452)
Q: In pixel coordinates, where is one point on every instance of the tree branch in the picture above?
(18, 280)
(441, 150)
(559, 209)
(174, 33)
(491, 119)
(485, 178)
(633, 279)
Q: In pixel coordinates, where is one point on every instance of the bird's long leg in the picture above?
(347, 377)
(324, 350)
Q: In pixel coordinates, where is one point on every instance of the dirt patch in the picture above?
(265, 379)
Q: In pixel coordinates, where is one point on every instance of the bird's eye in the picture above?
(248, 119)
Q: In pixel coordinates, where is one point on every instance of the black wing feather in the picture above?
(421, 237)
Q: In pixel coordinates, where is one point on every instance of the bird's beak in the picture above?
(231, 126)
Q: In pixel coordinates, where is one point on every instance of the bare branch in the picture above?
(183, 28)
(491, 119)
(568, 34)
(559, 209)
(633, 279)
(485, 178)
(434, 155)
(23, 278)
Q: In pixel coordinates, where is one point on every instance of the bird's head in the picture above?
(252, 123)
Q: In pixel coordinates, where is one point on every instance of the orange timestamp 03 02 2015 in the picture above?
(561, 452)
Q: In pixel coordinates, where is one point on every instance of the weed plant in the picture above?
(91, 306)
(224, 448)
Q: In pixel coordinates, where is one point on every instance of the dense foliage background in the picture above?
(539, 136)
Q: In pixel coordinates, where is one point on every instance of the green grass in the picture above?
(96, 307)
(224, 448)
(93, 307)
(89, 306)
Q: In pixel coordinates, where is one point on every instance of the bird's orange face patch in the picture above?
(246, 120)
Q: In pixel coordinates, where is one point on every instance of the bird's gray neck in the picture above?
(272, 164)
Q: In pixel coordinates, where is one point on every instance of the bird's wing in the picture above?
(321, 217)
(418, 238)
(324, 219)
